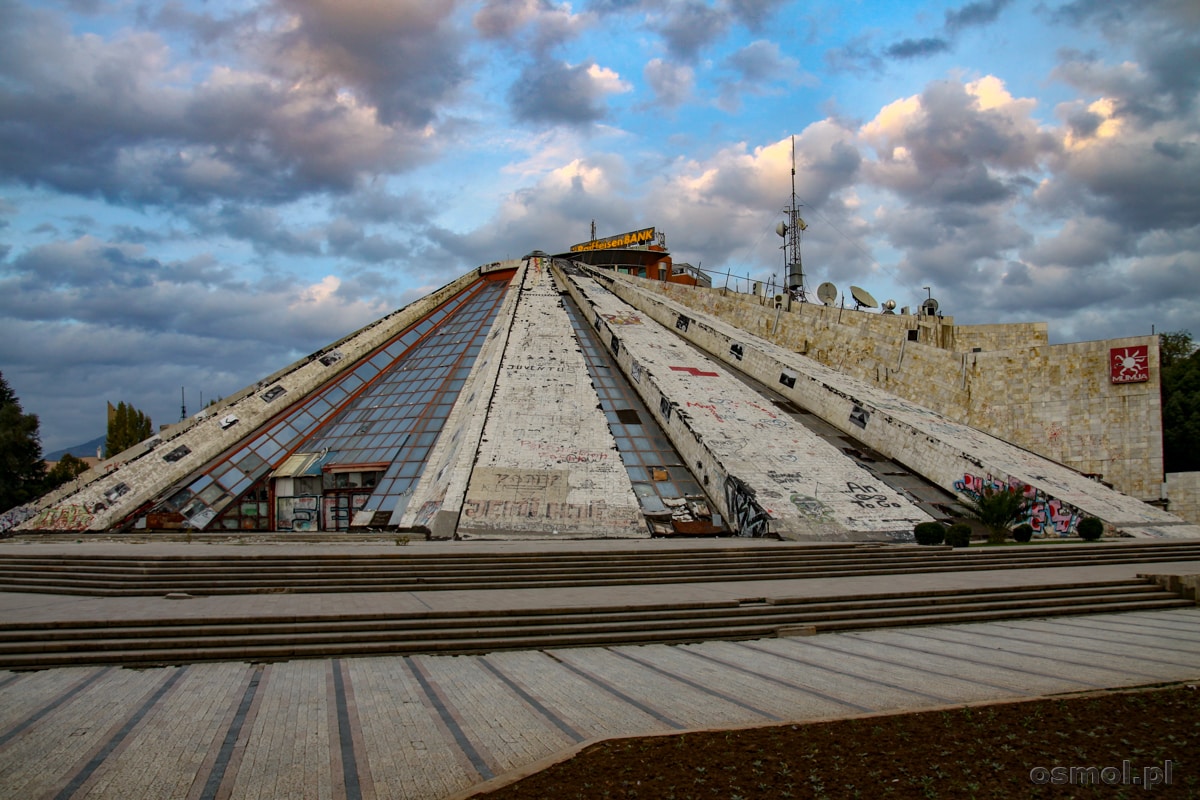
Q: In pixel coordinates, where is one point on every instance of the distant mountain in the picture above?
(79, 450)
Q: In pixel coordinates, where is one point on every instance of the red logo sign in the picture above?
(1129, 364)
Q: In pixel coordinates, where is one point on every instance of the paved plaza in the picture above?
(430, 727)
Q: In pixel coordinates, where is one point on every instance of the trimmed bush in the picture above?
(959, 535)
(929, 533)
(1022, 533)
(1090, 529)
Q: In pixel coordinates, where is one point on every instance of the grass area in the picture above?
(1009, 750)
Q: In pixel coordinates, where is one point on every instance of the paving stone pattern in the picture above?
(434, 726)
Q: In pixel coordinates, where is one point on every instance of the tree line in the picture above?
(23, 473)
(1180, 402)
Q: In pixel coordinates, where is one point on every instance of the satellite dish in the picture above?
(827, 293)
(930, 306)
(781, 229)
(889, 306)
(862, 298)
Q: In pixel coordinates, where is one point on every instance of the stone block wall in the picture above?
(1183, 493)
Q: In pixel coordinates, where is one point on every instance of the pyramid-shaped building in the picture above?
(607, 393)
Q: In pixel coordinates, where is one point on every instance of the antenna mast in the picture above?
(795, 268)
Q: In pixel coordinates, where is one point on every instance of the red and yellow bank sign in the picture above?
(631, 239)
(1129, 364)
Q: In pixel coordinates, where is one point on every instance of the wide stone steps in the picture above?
(254, 574)
(268, 638)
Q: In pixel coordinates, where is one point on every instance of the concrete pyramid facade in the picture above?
(541, 398)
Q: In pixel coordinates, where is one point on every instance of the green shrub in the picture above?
(929, 533)
(996, 508)
(1090, 529)
(959, 535)
(1023, 532)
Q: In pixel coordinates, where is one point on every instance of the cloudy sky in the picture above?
(195, 193)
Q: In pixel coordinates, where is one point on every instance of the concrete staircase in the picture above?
(264, 638)
(201, 575)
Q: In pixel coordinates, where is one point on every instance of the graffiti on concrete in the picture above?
(749, 518)
(623, 319)
(563, 453)
(1046, 515)
(812, 508)
(868, 496)
(15, 516)
(63, 518)
(532, 508)
(547, 485)
(695, 372)
(709, 407)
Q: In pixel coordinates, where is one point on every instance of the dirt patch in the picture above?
(1010, 750)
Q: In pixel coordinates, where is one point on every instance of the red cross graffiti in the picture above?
(698, 373)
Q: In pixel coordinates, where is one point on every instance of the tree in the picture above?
(1174, 346)
(22, 470)
(1181, 414)
(126, 427)
(65, 470)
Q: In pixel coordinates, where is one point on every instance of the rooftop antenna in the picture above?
(791, 229)
(182, 405)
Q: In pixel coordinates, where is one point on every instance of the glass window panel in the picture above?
(212, 494)
(220, 469)
(679, 474)
(251, 463)
(200, 483)
(270, 451)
